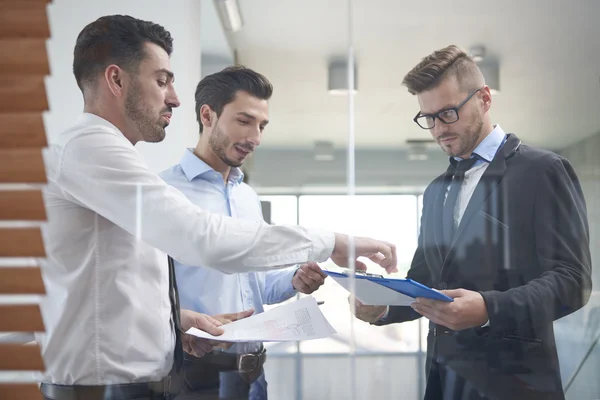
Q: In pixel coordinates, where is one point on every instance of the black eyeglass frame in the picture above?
(437, 114)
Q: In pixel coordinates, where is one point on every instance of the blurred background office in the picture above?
(541, 57)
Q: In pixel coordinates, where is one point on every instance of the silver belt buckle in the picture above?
(247, 362)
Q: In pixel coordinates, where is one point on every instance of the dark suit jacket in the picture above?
(523, 243)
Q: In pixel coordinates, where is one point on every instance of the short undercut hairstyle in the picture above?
(451, 61)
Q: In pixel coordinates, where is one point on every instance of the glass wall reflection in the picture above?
(543, 87)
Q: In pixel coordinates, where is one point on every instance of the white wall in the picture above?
(181, 18)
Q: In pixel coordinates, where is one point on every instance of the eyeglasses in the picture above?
(447, 115)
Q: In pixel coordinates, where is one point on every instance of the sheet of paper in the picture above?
(373, 294)
(298, 320)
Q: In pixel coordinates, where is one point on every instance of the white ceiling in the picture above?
(549, 52)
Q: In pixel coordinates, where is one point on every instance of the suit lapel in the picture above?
(486, 185)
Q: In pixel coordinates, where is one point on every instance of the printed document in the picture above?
(298, 320)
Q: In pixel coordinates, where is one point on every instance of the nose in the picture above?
(439, 129)
(172, 100)
(256, 136)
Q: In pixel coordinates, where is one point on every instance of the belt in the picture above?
(244, 363)
(159, 389)
(440, 330)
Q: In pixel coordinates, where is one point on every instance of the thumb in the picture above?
(360, 266)
(236, 315)
(242, 314)
(210, 325)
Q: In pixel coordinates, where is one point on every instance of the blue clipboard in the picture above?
(407, 287)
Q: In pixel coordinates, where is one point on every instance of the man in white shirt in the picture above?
(232, 110)
(111, 314)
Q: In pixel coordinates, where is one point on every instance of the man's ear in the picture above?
(486, 98)
(206, 116)
(114, 77)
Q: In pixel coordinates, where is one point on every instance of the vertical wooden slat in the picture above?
(21, 318)
(21, 242)
(24, 56)
(20, 357)
(22, 166)
(22, 93)
(24, 18)
(22, 129)
(21, 280)
(20, 391)
(23, 205)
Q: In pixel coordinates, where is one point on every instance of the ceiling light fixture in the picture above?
(230, 15)
(338, 78)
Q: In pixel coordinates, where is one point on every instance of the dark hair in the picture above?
(446, 62)
(219, 89)
(115, 39)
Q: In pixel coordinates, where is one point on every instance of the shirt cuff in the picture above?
(288, 290)
(385, 314)
(486, 324)
(323, 243)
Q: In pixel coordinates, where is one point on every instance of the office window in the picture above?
(387, 217)
(393, 218)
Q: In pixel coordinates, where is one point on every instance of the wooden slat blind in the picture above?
(24, 30)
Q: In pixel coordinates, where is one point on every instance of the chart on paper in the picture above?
(298, 320)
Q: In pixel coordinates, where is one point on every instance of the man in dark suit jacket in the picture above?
(504, 232)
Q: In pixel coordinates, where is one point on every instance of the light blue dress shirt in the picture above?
(489, 146)
(208, 290)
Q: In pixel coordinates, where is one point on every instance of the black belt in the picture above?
(157, 390)
(244, 363)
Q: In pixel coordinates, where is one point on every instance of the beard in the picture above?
(219, 143)
(152, 130)
(467, 141)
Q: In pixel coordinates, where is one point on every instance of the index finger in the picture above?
(390, 261)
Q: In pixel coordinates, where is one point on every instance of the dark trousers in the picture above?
(137, 391)
(201, 380)
(444, 383)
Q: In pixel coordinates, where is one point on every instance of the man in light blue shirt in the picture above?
(232, 112)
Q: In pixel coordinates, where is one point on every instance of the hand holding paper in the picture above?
(298, 320)
(194, 320)
(214, 325)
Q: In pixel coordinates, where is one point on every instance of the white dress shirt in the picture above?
(110, 223)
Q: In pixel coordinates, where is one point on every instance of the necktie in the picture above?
(460, 167)
(175, 316)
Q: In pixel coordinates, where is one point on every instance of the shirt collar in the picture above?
(89, 118)
(487, 149)
(193, 167)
